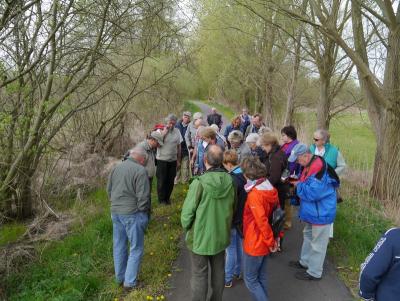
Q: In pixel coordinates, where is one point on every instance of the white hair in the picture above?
(324, 134)
(138, 151)
(235, 136)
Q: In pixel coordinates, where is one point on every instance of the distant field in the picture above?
(352, 133)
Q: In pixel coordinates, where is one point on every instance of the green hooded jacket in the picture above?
(207, 212)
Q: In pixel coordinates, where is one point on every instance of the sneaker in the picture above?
(306, 276)
(228, 284)
(296, 264)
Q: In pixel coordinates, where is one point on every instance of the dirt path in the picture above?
(283, 286)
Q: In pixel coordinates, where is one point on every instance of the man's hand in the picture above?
(275, 247)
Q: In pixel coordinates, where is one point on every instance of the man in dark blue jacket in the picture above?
(380, 273)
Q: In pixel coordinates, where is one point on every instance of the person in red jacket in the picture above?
(259, 240)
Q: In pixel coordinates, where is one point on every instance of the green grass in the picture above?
(352, 133)
(10, 233)
(80, 267)
(191, 107)
(358, 226)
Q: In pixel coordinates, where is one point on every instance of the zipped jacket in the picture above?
(207, 212)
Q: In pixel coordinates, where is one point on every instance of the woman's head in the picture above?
(231, 159)
(235, 138)
(268, 141)
(253, 169)
(236, 121)
(321, 137)
(288, 134)
(252, 140)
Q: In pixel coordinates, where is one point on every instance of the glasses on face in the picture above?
(316, 139)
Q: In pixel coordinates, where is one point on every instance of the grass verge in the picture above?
(10, 233)
(80, 267)
(191, 107)
(358, 226)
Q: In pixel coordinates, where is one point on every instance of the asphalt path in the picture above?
(282, 285)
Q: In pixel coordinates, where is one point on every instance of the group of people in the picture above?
(238, 179)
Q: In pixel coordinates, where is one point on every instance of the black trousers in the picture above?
(166, 172)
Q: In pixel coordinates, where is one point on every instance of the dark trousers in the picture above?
(166, 172)
(200, 271)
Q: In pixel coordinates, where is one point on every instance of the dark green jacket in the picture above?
(128, 188)
(207, 212)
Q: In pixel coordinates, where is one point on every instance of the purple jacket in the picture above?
(294, 168)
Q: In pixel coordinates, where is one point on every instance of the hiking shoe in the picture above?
(306, 276)
(228, 284)
(297, 265)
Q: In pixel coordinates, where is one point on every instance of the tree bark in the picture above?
(324, 103)
(268, 110)
(293, 83)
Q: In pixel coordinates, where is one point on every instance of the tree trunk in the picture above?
(268, 115)
(293, 84)
(385, 184)
(246, 98)
(324, 102)
(259, 103)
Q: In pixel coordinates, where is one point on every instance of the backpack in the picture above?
(277, 220)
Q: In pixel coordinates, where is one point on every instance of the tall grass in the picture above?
(80, 267)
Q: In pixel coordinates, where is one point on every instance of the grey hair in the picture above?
(138, 151)
(214, 155)
(324, 134)
(171, 117)
(235, 136)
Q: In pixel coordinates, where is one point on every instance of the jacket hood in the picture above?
(264, 188)
(217, 182)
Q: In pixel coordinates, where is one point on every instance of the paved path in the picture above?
(282, 284)
(207, 110)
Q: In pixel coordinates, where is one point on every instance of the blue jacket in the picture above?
(239, 181)
(380, 273)
(318, 198)
(201, 152)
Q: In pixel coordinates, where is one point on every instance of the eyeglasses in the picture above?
(316, 139)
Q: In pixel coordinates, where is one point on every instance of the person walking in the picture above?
(234, 252)
(206, 218)
(289, 138)
(214, 118)
(129, 192)
(259, 240)
(316, 190)
(380, 272)
(168, 160)
(236, 143)
(151, 144)
(182, 174)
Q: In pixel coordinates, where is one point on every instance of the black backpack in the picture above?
(277, 220)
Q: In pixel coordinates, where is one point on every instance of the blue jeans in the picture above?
(128, 227)
(313, 251)
(234, 254)
(255, 276)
